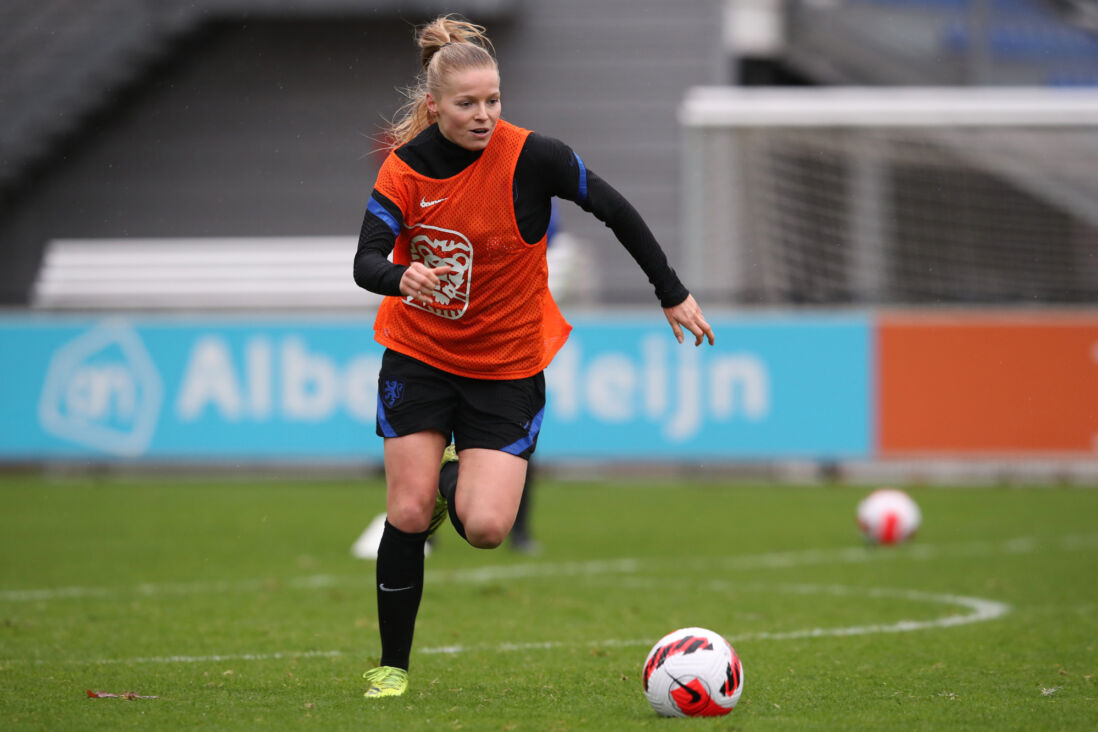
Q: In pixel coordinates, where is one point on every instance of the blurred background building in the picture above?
(802, 155)
(133, 119)
(237, 120)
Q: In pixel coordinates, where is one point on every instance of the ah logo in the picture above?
(102, 391)
(393, 393)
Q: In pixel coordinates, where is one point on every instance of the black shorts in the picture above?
(496, 415)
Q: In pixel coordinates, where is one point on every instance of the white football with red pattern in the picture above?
(692, 672)
(888, 516)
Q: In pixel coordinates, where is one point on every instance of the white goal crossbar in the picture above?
(718, 107)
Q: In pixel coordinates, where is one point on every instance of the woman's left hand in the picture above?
(688, 314)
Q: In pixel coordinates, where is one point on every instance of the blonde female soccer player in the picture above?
(468, 322)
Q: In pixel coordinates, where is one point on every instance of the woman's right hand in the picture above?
(420, 281)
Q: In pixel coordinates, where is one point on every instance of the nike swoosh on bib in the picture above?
(425, 203)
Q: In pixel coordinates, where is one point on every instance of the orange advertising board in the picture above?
(968, 383)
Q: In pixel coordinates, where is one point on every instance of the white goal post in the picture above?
(890, 195)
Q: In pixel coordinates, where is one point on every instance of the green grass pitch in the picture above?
(237, 605)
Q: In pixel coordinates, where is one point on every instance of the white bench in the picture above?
(288, 273)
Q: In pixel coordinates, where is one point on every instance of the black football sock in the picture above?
(399, 591)
(447, 486)
(521, 529)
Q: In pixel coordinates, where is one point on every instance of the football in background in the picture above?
(888, 516)
(692, 672)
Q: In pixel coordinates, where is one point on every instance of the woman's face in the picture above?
(468, 107)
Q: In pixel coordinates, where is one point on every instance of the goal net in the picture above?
(879, 196)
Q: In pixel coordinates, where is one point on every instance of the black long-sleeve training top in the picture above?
(546, 168)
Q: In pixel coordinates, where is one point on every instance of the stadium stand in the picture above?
(256, 119)
(71, 56)
(944, 42)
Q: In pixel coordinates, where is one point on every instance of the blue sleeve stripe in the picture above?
(582, 178)
(382, 421)
(519, 446)
(554, 221)
(378, 210)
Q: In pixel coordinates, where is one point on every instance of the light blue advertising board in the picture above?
(221, 388)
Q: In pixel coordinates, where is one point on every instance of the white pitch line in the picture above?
(770, 560)
(152, 589)
(981, 610)
(225, 657)
(214, 658)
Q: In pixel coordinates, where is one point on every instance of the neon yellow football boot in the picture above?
(385, 681)
(449, 455)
